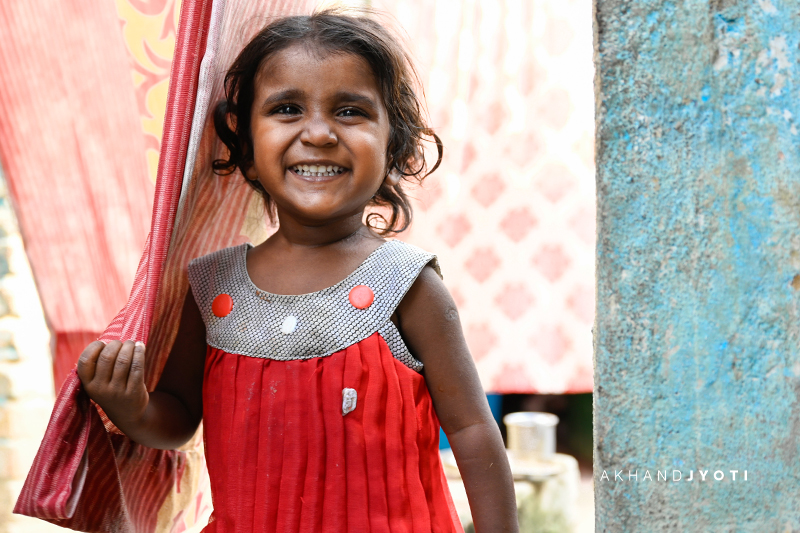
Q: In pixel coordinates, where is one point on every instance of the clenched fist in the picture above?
(113, 376)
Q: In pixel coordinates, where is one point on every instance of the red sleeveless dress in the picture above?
(316, 416)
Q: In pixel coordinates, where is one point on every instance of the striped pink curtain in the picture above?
(87, 475)
(71, 147)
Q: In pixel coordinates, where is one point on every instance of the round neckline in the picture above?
(254, 287)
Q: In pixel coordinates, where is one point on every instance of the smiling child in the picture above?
(323, 360)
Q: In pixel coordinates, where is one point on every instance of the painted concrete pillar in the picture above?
(698, 272)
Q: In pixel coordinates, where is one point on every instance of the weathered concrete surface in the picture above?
(698, 269)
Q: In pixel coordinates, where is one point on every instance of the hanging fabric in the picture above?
(72, 153)
(87, 475)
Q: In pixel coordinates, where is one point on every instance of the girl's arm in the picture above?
(428, 321)
(113, 376)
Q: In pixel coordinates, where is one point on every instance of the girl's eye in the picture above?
(286, 109)
(351, 112)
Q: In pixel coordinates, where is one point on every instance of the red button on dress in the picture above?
(361, 296)
(222, 305)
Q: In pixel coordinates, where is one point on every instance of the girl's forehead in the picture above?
(306, 60)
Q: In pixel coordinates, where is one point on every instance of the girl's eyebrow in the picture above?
(289, 94)
(355, 98)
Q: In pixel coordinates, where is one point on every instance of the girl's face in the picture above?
(320, 132)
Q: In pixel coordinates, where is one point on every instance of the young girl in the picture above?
(322, 360)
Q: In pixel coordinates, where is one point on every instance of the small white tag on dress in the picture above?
(349, 398)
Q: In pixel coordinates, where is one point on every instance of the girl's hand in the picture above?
(113, 376)
(167, 417)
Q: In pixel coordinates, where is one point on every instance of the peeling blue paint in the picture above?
(698, 263)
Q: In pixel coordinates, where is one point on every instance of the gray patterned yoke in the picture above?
(317, 324)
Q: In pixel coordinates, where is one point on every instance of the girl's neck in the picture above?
(301, 258)
(295, 234)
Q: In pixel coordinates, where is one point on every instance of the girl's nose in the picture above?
(318, 132)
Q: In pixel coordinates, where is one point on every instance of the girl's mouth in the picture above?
(320, 171)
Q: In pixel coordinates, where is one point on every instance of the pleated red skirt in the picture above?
(283, 458)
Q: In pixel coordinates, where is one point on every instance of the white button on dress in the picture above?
(289, 325)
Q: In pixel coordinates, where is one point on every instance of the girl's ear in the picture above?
(392, 178)
(250, 173)
(230, 118)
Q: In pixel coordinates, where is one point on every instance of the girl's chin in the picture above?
(320, 214)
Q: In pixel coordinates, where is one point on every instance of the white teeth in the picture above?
(318, 170)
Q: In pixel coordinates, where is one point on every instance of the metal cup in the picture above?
(531, 436)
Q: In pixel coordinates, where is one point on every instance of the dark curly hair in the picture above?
(335, 31)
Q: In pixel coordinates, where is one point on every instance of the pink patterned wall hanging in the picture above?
(511, 212)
